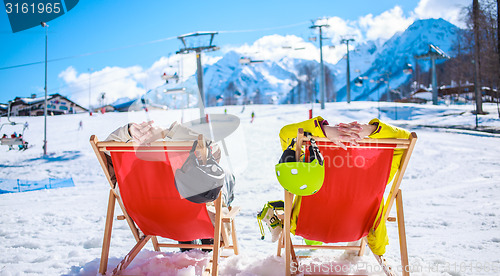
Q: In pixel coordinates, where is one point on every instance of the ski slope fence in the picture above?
(20, 185)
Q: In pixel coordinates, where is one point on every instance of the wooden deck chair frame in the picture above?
(395, 195)
(221, 236)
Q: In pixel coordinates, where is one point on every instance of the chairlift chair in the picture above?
(14, 141)
(358, 81)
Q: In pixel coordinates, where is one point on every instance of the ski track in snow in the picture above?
(451, 195)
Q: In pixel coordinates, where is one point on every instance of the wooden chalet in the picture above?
(34, 106)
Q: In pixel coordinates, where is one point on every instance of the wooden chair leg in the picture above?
(107, 233)
(131, 255)
(402, 234)
(156, 246)
(208, 269)
(280, 244)
(294, 257)
(286, 232)
(385, 267)
(225, 235)
(235, 239)
(217, 236)
(362, 247)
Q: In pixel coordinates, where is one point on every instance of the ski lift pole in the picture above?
(498, 103)
(45, 26)
(143, 101)
(396, 109)
(226, 153)
(8, 112)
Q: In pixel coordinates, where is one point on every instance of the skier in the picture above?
(146, 132)
(80, 125)
(253, 116)
(24, 145)
(351, 132)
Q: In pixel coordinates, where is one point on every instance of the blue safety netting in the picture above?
(20, 185)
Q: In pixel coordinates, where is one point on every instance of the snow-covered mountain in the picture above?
(288, 71)
(388, 61)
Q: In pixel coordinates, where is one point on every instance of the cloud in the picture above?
(276, 47)
(447, 9)
(385, 25)
(339, 29)
(131, 82)
(115, 82)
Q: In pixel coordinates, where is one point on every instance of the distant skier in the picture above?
(24, 145)
(253, 116)
(80, 125)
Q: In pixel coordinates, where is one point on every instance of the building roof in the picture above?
(32, 101)
(29, 101)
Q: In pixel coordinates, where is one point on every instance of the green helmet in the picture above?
(301, 178)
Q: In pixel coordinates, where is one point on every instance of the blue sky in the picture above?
(122, 34)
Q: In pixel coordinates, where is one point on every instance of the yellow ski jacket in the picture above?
(377, 238)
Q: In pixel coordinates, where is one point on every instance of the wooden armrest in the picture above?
(232, 213)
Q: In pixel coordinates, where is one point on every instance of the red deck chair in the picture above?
(151, 204)
(345, 208)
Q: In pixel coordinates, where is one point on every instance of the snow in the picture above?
(451, 194)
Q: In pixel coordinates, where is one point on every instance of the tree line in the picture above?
(475, 51)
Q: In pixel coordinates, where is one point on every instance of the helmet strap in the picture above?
(314, 152)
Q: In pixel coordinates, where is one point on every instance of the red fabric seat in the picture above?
(147, 188)
(345, 208)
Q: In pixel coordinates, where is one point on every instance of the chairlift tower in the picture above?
(348, 70)
(433, 54)
(198, 42)
(322, 85)
(45, 26)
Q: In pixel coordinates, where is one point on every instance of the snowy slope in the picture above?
(451, 195)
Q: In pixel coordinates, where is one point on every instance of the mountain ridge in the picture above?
(287, 76)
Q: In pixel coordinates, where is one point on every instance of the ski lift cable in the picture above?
(97, 81)
(142, 44)
(91, 53)
(82, 90)
(266, 29)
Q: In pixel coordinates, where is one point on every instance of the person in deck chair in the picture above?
(146, 132)
(352, 132)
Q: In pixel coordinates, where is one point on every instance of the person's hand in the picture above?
(145, 132)
(344, 133)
